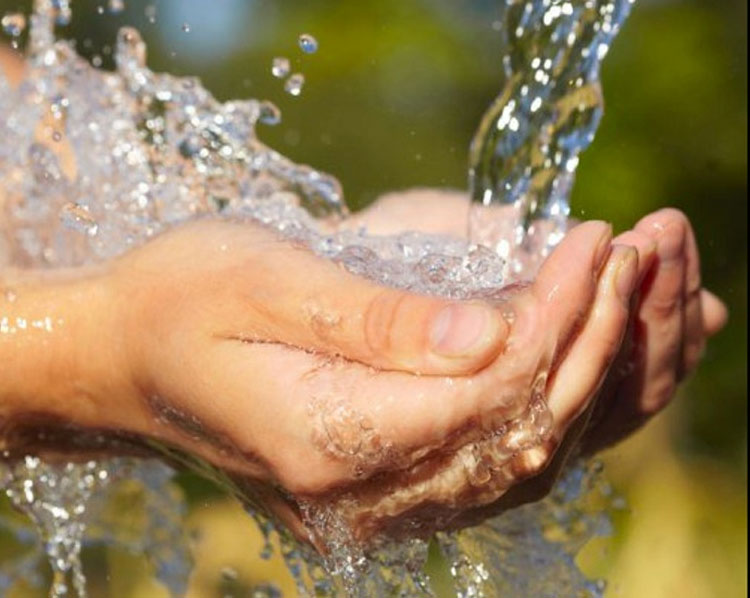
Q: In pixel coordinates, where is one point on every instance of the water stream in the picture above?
(152, 150)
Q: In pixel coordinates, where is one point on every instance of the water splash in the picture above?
(294, 84)
(72, 505)
(525, 153)
(13, 24)
(157, 150)
(280, 67)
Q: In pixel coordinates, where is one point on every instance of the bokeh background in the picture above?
(391, 101)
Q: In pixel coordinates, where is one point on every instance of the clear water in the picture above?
(525, 153)
(153, 150)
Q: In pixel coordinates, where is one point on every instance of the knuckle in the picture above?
(379, 320)
(665, 307)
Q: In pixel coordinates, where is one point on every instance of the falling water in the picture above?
(152, 151)
(525, 153)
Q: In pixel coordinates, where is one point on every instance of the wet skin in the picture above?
(228, 342)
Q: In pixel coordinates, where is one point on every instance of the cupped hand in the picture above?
(284, 368)
(669, 320)
(407, 412)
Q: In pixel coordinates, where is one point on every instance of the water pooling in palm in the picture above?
(174, 152)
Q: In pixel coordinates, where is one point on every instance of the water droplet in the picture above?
(280, 67)
(294, 84)
(76, 216)
(269, 113)
(116, 6)
(307, 43)
(186, 27)
(56, 136)
(14, 24)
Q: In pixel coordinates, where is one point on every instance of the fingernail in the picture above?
(603, 249)
(461, 329)
(625, 278)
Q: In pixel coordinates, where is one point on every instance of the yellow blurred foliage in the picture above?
(686, 533)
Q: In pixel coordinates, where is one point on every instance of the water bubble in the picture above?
(44, 165)
(116, 6)
(436, 268)
(14, 24)
(150, 12)
(280, 67)
(59, 107)
(186, 27)
(76, 216)
(358, 259)
(307, 43)
(294, 84)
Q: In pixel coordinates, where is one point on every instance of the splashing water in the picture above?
(525, 153)
(280, 67)
(153, 151)
(294, 84)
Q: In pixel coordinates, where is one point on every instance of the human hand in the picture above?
(671, 317)
(306, 430)
(671, 320)
(282, 368)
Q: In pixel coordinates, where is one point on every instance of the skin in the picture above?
(228, 342)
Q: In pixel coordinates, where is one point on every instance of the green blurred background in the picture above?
(391, 101)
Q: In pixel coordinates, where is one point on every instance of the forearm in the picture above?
(58, 354)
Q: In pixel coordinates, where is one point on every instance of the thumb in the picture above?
(318, 305)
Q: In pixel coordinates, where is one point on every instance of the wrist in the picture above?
(59, 349)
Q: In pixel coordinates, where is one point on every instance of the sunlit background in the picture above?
(391, 100)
